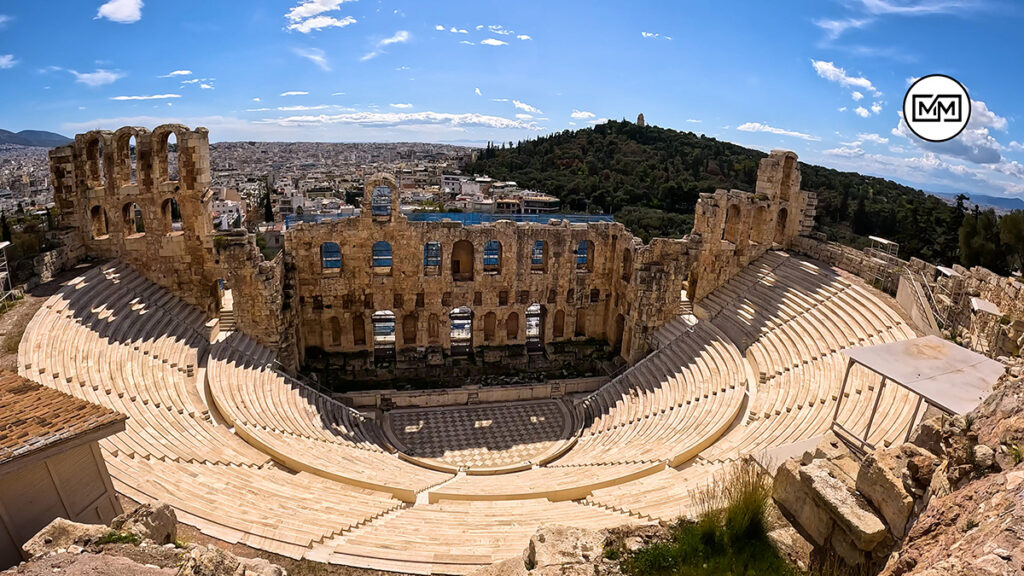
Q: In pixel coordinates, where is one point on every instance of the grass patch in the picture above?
(115, 537)
(730, 536)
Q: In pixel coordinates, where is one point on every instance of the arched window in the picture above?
(558, 326)
(380, 202)
(490, 321)
(462, 260)
(330, 256)
(358, 330)
(173, 168)
(581, 322)
(780, 226)
(585, 256)
(433, 328)
(131, 155)
(534, 327)
(409, 326)
(431, 258)
(512, 327)
(627, 265)
(460, 334)
(492, 257)
(132, 217)
(620, 327)
(731, 232)
(171, 214)
(595, 295)
(383, 334)
(382, 258)
(539, 256)
(98, 216)
(760, 225)
(334, 325)
(788, 168)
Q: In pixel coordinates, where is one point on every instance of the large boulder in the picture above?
(880, 480)
(794, 497)
(156, 522)
(212, 561)
(563, 550)
(62, 534)
(849, 509)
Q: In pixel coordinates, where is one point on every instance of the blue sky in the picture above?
(825, 78)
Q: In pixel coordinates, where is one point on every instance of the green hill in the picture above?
(650, 178)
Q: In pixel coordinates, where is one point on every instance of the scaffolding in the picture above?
(886, 255)
(6, 288)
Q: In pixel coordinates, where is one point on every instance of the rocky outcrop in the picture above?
(63, 534)
(156, 523)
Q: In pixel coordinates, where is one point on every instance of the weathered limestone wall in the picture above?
(736, 227)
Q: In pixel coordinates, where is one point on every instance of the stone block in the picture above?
(848, 509)
(880, 480)
(793, 497)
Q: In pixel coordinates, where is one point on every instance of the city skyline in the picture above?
(825, 79)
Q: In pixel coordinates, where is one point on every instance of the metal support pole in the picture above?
(874, 409)
(913, 419)
(842, 390)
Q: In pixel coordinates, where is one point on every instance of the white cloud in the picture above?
(494, 42)
(257, 99)
(176, 73)
(648, 35)
(455, 30)
(439, 28)
(98, 78)
(975, 144)
(842, 108)
(694, 121)
(4, 19)
(337, 94)
(299, 108)
(192, 81)
(499, 29)
(400, 37)
(7, 61)
(295, 93)
(835, 28)
(981, 116)
(597, 121)
(916, 7)
(316, 56)
(525, 107)
(857, 96)
(206, 86)
(581, 114)
(477, 90)
(121, 11)
(405, 118)
(310, 8)
(524, 37)
(759, 127)
(1016, 146)
(467, 42)
(829, 71)
(862, 112)
(524, 116)
(852, 152)
(404, 105)
(876, 107)
(152, 97)
(873, 138)
(321, 22)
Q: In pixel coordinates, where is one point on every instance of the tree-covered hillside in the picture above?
(650, 178)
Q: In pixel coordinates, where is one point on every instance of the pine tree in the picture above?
(5, 227)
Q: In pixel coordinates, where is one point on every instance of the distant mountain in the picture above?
(33, 138)
(999, 203)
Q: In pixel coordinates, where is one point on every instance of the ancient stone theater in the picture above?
(728, 344)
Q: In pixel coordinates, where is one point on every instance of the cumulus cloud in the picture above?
(975, 144)
(295, 93)
(525, 107)
(760, 127)
(206, 86)
(654, 35)
(862, 112)
(256, 99)
(7, 61)
(98, 78)
(493, 42)
(121, 11)
(581, 114)
(439, 28)
(873, 138)
(311, 8)
(857, 96)
(477, 90)
(524, 37)
(316, 56)
(829, 71)
(151, 97)
(382, 119)
(177, 73)
(321, 22)
(404, 105)
(524, 116)
(455, 30)
(1016, 146)
(400, 37)
(876, 107)
(845, 152)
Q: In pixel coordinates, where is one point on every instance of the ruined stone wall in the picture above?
(736, 227)
(623, 290)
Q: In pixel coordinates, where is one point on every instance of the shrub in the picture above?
(115, 537)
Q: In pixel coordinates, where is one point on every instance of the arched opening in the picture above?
(627, 265)
(595, 295)
(433, 328)
(98, 216)
(94, 159)
(512, 327)
(490, 322)
(334, 326)
(788, 169)
(172, 215)
(382, 258)
(131, 215)
(780, 226)
(691, 285)
(558, 324)
(585, 256)
(760, 226)
(460, 334)
(581, 323)
(383, 335)
(539, 256)
(130, 154)
(462, 260)
(330, 256)
(731, 231)
(358, 330)
(535, 328)
(171, 148)
(380, 203)
(431, 258)
(410, 325)
(492, 257)
(620, 327)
